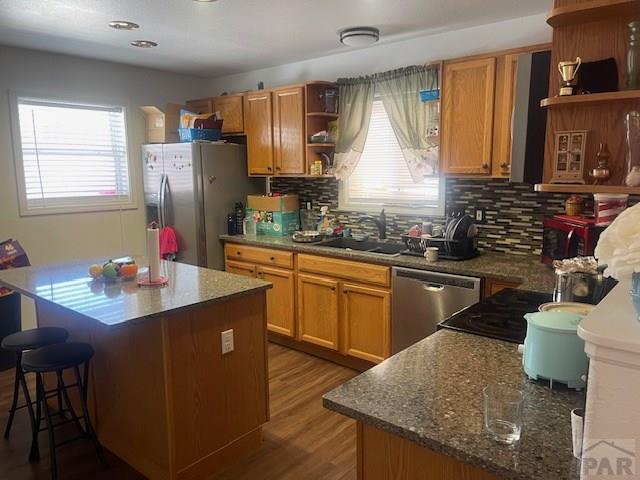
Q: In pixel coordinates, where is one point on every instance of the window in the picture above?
(382, 178)
(71, 157)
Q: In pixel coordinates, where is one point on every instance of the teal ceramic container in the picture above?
(552, 349)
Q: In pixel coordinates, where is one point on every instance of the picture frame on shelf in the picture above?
(568, 159)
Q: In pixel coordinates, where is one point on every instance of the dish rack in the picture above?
(447, 249)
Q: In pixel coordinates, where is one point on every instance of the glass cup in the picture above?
(503, 413)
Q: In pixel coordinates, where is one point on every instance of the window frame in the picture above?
(346, 205)
(75, 205)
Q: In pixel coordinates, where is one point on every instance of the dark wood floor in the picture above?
(302, 440)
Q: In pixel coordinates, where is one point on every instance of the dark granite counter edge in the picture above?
(454, 267)
(433, 445)
(150, 316)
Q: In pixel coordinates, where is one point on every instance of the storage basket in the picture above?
(192, 134)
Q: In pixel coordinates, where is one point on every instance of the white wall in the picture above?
(458, 43)
(58, 238)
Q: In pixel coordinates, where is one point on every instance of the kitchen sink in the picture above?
(370, 246)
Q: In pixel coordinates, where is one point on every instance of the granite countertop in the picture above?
(527, 270)
(431, 394)
(70, 286)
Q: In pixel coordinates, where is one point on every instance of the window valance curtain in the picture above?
(399, 91)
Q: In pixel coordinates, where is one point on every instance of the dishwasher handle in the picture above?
(433, 287)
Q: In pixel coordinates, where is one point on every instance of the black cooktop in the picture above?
(500, 316)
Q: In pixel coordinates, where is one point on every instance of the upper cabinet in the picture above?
(289, 131)
(258, 122)
(230, 108)
(467, 116)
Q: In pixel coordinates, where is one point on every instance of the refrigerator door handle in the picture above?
(161, 191)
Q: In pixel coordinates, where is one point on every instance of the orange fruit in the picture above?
(129, 270)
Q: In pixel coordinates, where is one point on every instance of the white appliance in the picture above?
(192, 187)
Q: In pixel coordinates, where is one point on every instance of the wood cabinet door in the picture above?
(288, 130)
(507, 69)
(203, 105)
(366, 322)
(280, 299)
(259, 128)
(240, 268)
(467, 116)
(318, 311)
(231, 109)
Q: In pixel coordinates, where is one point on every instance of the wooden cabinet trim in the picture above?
(281, 300)
(240, 268)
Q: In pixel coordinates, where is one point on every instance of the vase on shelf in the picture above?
(633, 57)
(632, 124)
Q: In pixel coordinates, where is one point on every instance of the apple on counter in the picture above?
(112, 270)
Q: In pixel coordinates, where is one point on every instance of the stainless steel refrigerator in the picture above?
(192, 187)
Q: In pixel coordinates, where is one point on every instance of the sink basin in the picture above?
(366, 246)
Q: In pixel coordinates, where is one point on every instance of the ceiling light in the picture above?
(359, 36)
(123, 25)
(204, 1)
(144, 44)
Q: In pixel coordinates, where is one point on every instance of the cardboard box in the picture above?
(276, 224)
(162, 126)
(284, 203)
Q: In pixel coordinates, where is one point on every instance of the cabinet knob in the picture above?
(269, 168)
(238, 252)
(212, 179)
(278, 168)
(273, 259)
(485, 166)
(504, 165)
(345, 291)
(333, 289)
(260, 274)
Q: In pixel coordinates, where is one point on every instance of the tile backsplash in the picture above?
(513, 211)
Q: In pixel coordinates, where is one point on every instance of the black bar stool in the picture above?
(56, 359)
(19, 343)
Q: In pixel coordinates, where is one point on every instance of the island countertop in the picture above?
(70, 286)
(526, 270)
(431, 394)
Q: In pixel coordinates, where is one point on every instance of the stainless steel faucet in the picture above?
(380, 223)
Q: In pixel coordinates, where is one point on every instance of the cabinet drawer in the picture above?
(347, 269)
(264, 256)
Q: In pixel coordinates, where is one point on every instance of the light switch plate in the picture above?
(227, 341)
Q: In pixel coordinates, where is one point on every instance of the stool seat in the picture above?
(57, 357)
(34, 338)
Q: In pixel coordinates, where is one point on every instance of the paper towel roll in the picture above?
(153, 252)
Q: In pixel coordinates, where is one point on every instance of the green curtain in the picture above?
(356, 99)
(410, 117)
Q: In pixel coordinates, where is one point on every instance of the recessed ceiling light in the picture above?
(204, 1)
(359, 36)
(123, 25)
(144, 44)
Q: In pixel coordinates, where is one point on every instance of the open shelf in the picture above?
(323, 114)
(572, 188)
(622, 96)
(591, 11)
(324, 145)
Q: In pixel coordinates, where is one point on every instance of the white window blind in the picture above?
(382, 178)
(72, 157)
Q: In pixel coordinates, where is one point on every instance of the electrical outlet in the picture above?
(479, 215)
(227, 341)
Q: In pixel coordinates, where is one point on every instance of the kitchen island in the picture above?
(420, 415)
(163, 396)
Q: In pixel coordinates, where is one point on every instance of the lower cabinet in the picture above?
(281, 299)
(366, 320)
(318, 311)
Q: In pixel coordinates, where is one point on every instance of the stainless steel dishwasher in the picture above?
(423, 299)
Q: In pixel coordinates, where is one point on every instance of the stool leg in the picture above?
(34, 454)
(83, 389)
(16, 386)
(47, 415)
(63, 388)
(60, 387)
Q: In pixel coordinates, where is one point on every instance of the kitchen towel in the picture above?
(168, 243)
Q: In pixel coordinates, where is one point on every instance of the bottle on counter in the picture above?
(239, 209)
(231, 224)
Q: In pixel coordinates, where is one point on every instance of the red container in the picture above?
(608, 206)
